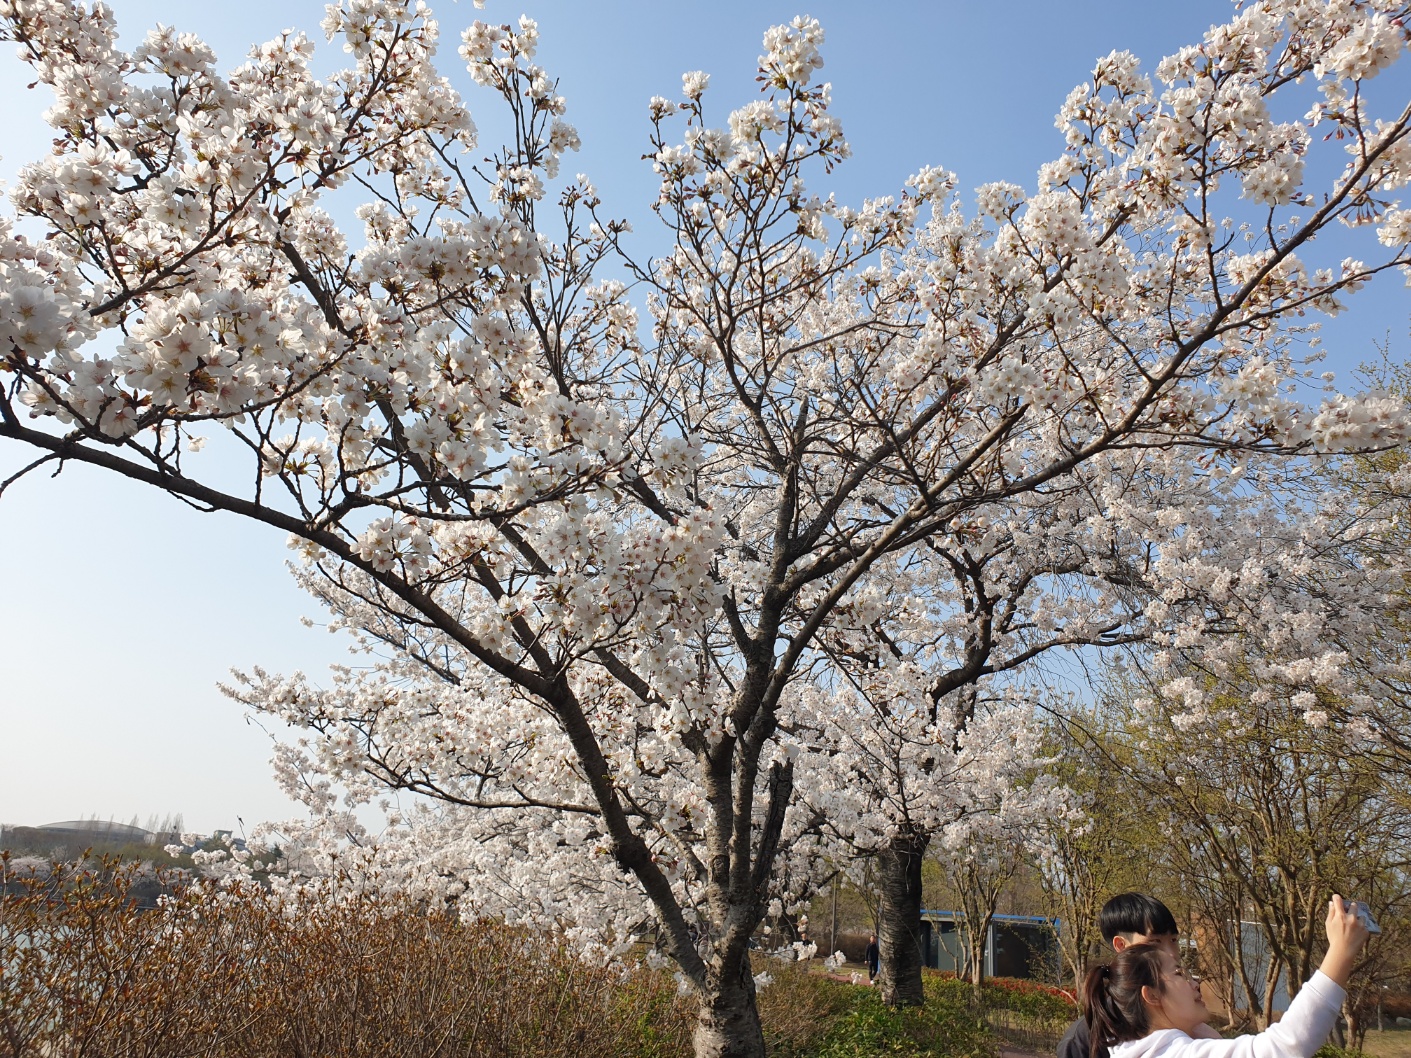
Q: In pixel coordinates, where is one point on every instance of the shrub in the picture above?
(1025, 1014)
(799, 1009)
(945, 1026)
(1031, 998)
(242, 971)
(852, 945)
(239, 972)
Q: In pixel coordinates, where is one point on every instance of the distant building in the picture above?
(1256, 956)
(1022, 946)
(105, 831)
(69, 838)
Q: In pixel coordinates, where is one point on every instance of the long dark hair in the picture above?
(1112, 997)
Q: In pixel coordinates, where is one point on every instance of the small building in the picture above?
(1022, 946)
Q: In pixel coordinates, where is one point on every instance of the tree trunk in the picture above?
(899, 927)
(1271, 982)
(979, 937)
(727, 1021)
(833, 928)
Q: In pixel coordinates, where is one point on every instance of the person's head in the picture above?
(1142, 990)
(1135, 918)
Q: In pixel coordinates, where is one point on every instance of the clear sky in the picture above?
(120, 610)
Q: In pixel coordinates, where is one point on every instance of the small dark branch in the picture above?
(48, 458)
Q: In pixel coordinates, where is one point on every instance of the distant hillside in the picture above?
(70, 839)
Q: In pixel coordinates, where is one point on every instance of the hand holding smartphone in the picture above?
(1364, 915)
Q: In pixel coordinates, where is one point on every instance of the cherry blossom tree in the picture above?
(933, 733)
(1308, 574)
(980, 859)
(1364, 577)
(601, 554)
(894, 779)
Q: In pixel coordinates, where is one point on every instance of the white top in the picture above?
(1301, 1031)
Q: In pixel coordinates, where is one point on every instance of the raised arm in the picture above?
(1310, 1017)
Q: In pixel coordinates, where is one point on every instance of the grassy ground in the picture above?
(1393, 1043)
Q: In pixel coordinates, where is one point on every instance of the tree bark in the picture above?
(1271, 982)
(899, 927)
(977, 940)
(727, 1021)
(833, 931)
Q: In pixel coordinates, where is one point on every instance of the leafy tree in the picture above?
(1265, 816)
(1108, 844)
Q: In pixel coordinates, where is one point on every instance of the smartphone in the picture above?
(1364, 915)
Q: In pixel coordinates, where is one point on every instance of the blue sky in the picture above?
(122, 609)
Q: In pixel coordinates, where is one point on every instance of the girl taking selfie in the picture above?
(1144, 1005)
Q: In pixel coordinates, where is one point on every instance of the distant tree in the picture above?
(987, 854)
(1108, 843)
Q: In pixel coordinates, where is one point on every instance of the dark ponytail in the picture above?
(1112, 997)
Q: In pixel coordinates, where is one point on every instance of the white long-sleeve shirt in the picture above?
(1301, 1031)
